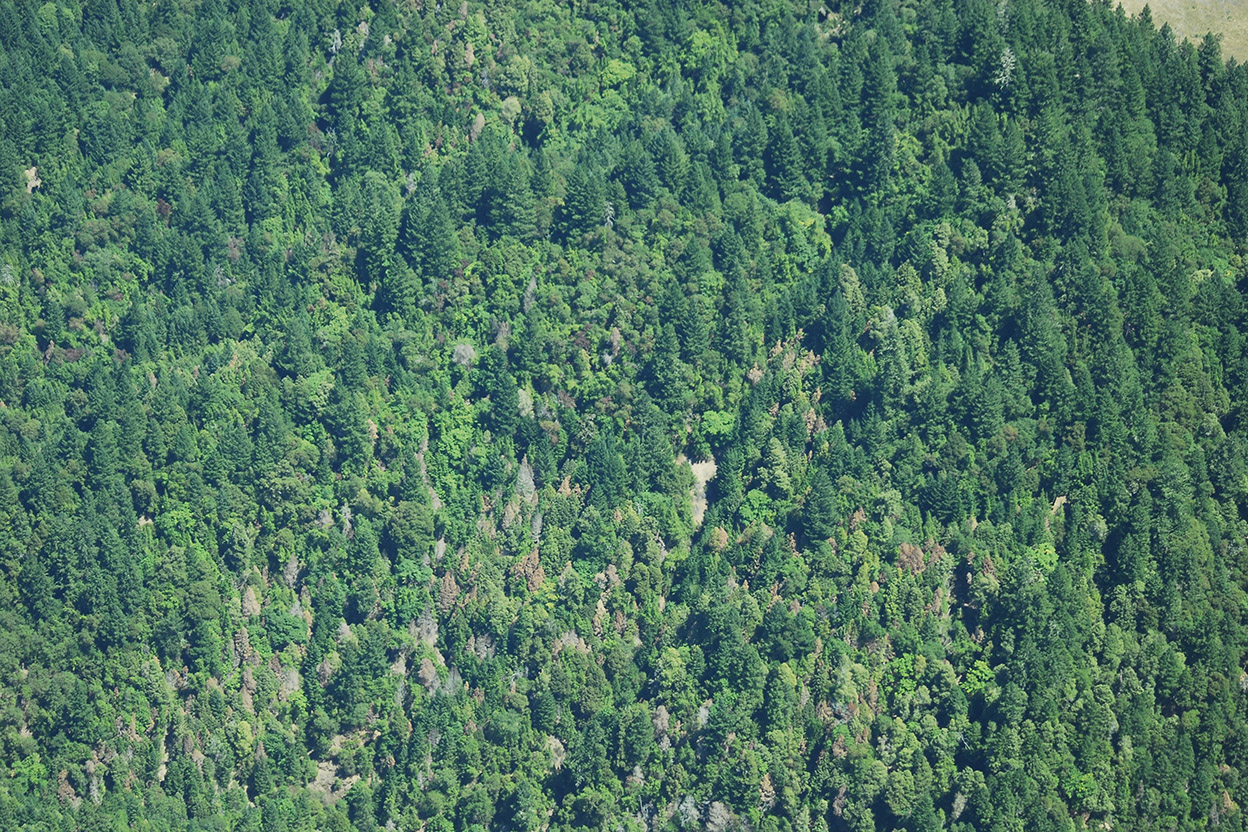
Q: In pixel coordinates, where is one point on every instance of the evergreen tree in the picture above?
(785, 168)
(637, 174)
(584, 205)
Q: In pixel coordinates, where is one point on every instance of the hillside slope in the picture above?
(1193, 19)
(656, 415)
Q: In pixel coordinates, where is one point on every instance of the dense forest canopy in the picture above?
(630, 416)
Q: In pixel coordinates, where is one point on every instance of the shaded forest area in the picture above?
(625, 416)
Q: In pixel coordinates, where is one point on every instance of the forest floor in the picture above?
(1192, 19)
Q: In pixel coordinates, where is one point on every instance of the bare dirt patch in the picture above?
(703, 472)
